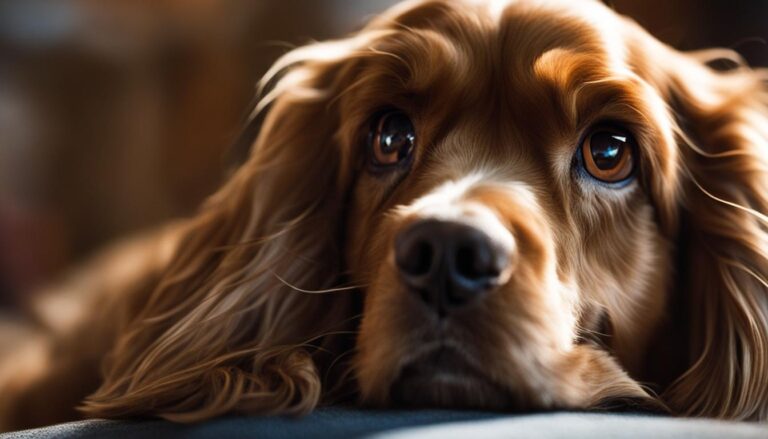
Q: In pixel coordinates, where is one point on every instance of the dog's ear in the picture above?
(228, 327)
(722, 130)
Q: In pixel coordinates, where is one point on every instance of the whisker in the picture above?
(325, 291)
(760, 216)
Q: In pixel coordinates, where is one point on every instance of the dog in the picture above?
(498, 205)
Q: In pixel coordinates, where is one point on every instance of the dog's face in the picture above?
(503, 211)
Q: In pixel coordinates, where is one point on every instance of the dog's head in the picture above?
(531, 204)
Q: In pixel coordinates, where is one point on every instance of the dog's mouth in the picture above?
(443, 378)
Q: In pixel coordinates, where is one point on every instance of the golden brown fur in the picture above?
(281, 294)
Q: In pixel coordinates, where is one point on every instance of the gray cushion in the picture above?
(340, 423)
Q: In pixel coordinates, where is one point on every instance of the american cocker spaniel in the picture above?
(504, 205)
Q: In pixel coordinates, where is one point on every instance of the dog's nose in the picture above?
(447, 263)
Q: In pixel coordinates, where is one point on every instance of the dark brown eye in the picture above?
(608, 155)
(392, 140)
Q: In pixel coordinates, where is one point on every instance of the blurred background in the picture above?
(119, 114)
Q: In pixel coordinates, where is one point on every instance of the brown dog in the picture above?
(490, 204)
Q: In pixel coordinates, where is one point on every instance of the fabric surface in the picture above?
(343, 423)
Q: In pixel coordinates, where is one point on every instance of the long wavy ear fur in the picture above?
(723, 133)
(227, 328)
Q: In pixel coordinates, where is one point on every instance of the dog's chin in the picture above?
(444, 379)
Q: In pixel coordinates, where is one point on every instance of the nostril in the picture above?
(415, 253)
(417, 260)
(465, 262)
(476, 261)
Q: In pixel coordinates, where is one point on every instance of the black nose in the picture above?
(448, 264)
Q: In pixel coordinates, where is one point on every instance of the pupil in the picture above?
(607, 149)
(393, 142)
(397, 135)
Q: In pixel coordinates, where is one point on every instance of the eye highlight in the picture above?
(392, 139)
(608, 154)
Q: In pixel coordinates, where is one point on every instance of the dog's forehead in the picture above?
(500, 43)
(529, 29)
(497, 55)
(529, 23)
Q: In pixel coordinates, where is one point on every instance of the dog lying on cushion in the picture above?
(503, 205)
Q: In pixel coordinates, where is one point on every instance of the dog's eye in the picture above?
(392, 139)
(608, 155)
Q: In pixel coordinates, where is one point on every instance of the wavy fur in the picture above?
(256, 304)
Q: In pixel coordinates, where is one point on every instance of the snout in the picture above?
(466, 309)
(449, 264)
